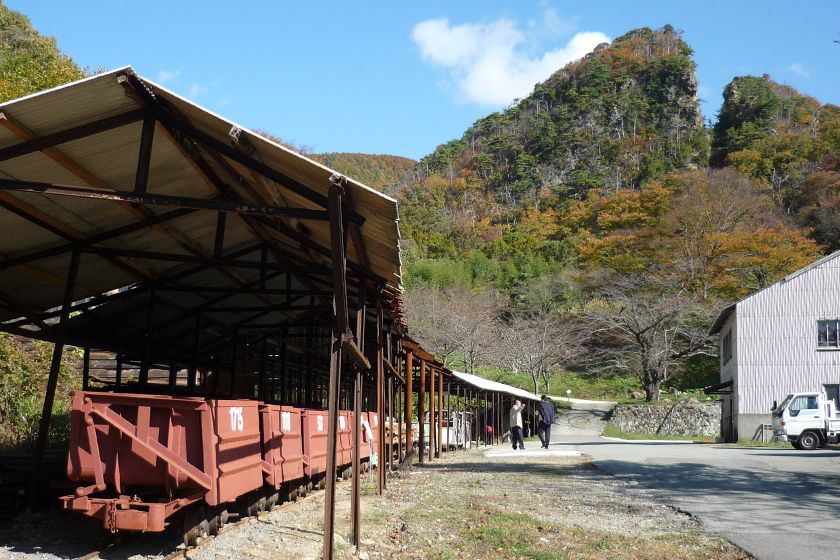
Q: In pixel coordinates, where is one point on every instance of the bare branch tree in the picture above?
(645, 325)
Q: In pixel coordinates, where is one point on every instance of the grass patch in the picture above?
(611, 431)
(511, 535)
(754, 443)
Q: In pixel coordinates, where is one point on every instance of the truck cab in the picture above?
(807, 420)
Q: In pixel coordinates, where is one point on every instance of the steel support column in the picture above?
(52, 381)
(339, 330)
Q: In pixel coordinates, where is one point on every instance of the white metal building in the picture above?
(782, 339)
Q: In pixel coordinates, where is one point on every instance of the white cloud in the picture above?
(488, 62)
(797, 68)
(165, 76)
(196, 89)
(552, 23)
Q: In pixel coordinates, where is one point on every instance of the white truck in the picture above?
(807, 420)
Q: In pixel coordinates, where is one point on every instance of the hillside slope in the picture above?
(375, 170)
(29, 61)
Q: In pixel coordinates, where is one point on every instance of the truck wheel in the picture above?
(808, 441)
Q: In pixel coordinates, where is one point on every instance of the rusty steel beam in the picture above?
(199, 259)
(340, 327)
(144, 159)
(133, 197)
(88, 129)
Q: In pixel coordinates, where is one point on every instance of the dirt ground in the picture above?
(483, 503)
(472, 504)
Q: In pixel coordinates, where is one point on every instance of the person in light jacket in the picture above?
(546, 411)
(516, 424)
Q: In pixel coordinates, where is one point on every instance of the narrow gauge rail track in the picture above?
(116, 547)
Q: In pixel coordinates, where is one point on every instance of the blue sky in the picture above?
(401, 78)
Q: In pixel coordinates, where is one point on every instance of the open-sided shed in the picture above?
(205, 258)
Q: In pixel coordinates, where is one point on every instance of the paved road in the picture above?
(774, 503)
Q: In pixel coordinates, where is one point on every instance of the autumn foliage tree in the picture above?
(29, 61)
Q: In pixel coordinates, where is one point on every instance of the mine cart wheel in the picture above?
(272, 500)
(302, 490)
(322, 483)
(255, 503)
(195, 526)
(217, 521)
(309, 487)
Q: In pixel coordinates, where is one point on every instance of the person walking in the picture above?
(546, 411)
(516, 424)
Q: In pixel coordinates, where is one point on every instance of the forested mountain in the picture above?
(624, 114)
(374, 170)
(791, 143)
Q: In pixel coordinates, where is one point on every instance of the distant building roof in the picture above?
(489, 385)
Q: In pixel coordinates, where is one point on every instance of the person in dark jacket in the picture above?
(546, 412)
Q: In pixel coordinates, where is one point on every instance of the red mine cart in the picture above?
(368, 443)
(282, 444)
(155, 455)
(314, 442)
(344, 455)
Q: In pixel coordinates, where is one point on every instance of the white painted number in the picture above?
(286, 421)
(342, 422)
(320, 423)
(237, 421)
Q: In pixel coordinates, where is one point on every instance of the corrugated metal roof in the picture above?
(108, 160)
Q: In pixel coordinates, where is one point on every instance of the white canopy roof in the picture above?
(488, 385)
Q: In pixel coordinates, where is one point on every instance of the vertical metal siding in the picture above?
(775, 345)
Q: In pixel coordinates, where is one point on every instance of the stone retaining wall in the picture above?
(688, 418)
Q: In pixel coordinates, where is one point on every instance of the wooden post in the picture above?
(409, 400)
(390, 410)
(485, 419)
(400, 420)
(380, 398)
(52, 380)
(356, 494)
(449, 429)
(432, 423)
(86, 369)
(147, 342)
(460, 423)
(421, 413)
(440, 441)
